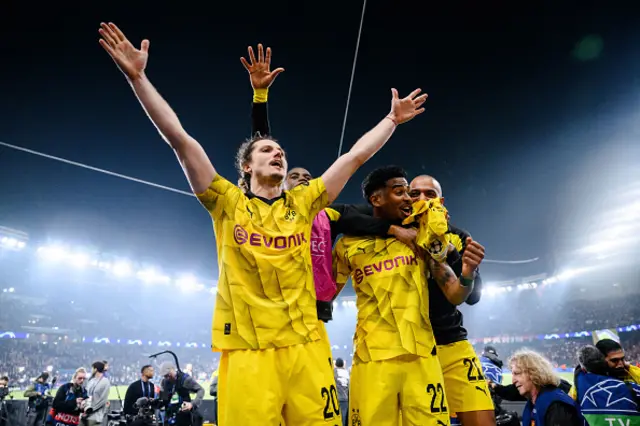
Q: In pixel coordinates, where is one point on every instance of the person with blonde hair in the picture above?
(547, 405)
(69, 400)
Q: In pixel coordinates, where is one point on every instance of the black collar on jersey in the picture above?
(270, 202)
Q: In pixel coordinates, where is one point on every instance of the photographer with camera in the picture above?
(4, 392)
(39, 397)
(142, 388)
(69, 400)
(177, 388)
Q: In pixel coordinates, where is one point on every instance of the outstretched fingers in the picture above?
(107, 47)
(108, 35)
(414, 94)
(260, 53)
(117, 32)
(420, 100)
(252, 56)
(245, 64)
(267, 58)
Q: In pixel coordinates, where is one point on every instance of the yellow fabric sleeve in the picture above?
(260, 96)
(432, 219)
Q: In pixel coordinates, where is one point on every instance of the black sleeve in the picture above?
(129, 399)
(352, 221)
(475, 295)
(508, 393)
(561, 414)
(61, 405)
(260, 119)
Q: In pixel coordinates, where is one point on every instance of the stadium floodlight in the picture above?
(12, 239)
(79, 260)
(150, 275)
(187, 282)
(122, 269)
(52, 253)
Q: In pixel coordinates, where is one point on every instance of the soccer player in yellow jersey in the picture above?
(273, 364)
(395, 367)
(467, 391)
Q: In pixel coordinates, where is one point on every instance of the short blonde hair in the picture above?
(537, 367)
(78, 371)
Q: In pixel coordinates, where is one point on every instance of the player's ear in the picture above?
(442, 200)
(376, 199)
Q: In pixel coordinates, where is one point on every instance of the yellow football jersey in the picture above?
(266, 296)
(392, 298)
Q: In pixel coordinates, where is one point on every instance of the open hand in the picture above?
(130, 60)
(472, 257)
(403, 110)
(260, 70)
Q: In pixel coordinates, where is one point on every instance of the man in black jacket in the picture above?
(142, 388)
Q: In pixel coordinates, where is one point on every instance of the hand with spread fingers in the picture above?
(471, 258)
(260, 70)
(131, 61)
(403, 110)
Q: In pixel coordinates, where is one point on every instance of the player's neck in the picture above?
(144, 379)
(534, 396)
(267, 190)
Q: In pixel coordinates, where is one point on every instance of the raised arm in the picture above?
(457, 289)
(132, 62)
(261, 78)
(402, 110)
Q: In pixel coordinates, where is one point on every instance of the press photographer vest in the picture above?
(607, 401)
(546, 397)
(40, 388)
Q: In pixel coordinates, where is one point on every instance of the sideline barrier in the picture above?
(17, 410)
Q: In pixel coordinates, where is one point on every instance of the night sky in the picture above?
(523, 122)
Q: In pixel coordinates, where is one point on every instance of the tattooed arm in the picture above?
(451, 286)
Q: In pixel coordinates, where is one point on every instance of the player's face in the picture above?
(3, 383)
(521, 380)
(615, 359)
(297, 176)
(268, 161)
(394, 201)
(425, 188)
(80, 378)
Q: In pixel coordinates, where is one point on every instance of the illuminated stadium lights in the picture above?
(79, 260)
(52, 253)
(190, 283)
(122, 269)
(12, 243)
(12, 239)
(151, 276)
(8, 290)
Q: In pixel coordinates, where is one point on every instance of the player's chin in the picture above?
(278, 175)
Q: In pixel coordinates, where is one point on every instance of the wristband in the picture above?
(466, 282)
(260, 96)
(392, 120)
